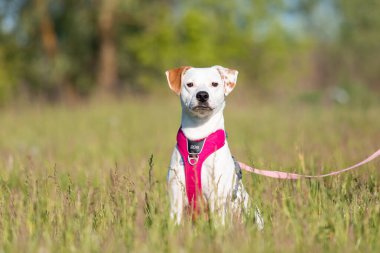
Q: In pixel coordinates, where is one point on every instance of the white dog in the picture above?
(202, 168)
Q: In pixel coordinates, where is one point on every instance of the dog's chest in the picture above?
(217, 172)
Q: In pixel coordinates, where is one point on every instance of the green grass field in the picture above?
(88, 178)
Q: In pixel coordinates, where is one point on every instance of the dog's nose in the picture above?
(202, 96)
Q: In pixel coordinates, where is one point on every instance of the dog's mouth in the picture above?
(202, 108)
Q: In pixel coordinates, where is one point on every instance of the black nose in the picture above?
(202, 96)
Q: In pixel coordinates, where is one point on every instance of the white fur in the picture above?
(218, 171)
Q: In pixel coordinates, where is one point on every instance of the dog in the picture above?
(202, 170)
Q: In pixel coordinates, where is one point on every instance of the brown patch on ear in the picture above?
(174, 77)
(230, 86)
(229, 77)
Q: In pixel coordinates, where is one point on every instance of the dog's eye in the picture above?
(189, 85)
(214, 84)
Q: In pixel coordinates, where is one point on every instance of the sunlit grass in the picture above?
(76, 178)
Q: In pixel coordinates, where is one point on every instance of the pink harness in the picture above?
(194, 153)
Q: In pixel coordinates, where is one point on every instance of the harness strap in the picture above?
(194, 153)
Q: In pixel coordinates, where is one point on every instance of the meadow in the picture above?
(91, 177)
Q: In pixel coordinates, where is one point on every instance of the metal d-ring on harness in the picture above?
(193, 159)
(194, 148)
(239, 176)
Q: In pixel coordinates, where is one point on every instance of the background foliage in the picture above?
(69, 49)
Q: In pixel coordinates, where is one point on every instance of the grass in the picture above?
(91, 178)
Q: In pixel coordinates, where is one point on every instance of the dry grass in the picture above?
(76, 179)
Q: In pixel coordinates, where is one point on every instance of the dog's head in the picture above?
(202, 90)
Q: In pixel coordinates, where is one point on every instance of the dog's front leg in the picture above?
(216, 197)
(176, 197)
(176, 187)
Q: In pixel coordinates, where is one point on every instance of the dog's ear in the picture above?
(229, 77)
(174, 77)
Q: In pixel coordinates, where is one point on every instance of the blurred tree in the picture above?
(6, 79)
(58, 45)
(360, 40)
(47, 31)
(346, 37)
(107, 73)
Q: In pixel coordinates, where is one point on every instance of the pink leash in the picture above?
(293, 176)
